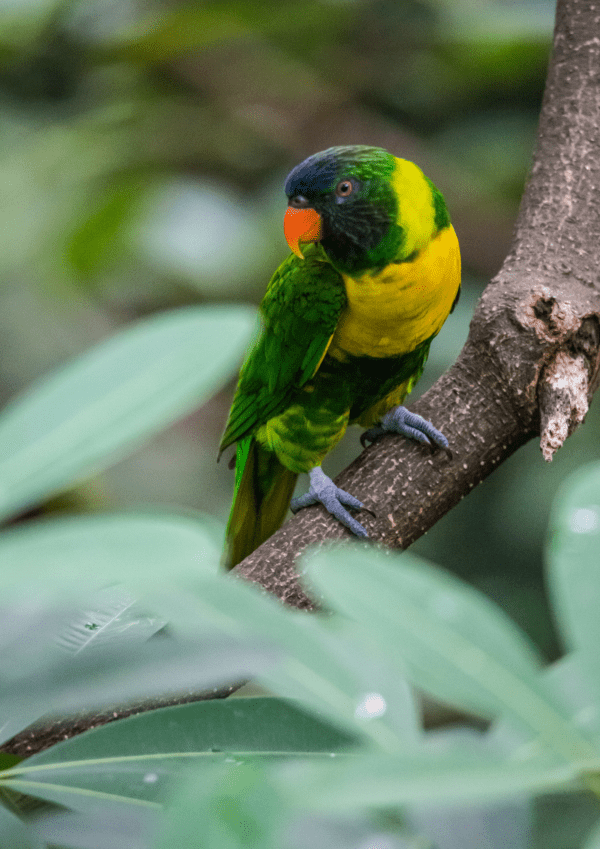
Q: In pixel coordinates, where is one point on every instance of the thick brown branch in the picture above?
(532, 357)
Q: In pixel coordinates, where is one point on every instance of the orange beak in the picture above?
(301, 225)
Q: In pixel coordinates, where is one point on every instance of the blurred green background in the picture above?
(143, 148)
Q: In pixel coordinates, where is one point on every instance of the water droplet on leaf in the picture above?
(370, 706)
(585, 520)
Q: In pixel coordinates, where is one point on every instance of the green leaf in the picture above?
(71, 558)
(86, 799)
(572, 557)
(78, 555)
(15, 834)
(331, 670)
(68, 559)
(458, 645)
(81, 418)
(237, 725)
(136, 759)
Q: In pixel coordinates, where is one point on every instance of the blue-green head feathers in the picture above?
(354, 188)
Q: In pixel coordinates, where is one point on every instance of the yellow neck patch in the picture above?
(416, 214)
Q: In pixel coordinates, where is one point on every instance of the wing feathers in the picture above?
(300, 311)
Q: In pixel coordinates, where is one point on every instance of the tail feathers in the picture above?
(263, 492)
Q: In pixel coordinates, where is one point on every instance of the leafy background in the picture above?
(143, 148)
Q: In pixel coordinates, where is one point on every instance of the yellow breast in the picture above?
(392, 311)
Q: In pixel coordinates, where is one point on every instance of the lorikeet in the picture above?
(348, 319)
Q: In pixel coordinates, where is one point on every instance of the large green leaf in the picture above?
(81, 418)
(171, 561)
(137, 758)
(572, 557)
(238, 725)
(459, 646)
(79, 555)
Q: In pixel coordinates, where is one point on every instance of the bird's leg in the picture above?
(335, 500)
(402, 421)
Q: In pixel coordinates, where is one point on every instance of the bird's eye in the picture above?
(344, 188)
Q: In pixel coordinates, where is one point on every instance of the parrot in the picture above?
(346, 326)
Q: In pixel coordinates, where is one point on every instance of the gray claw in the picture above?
(402, 421)
(335, 500)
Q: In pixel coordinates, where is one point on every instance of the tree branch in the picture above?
(531, 362)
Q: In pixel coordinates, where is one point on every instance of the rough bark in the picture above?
(531, 361)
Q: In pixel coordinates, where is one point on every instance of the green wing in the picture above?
(300, 312)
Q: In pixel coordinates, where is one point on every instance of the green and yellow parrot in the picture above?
(347, 322)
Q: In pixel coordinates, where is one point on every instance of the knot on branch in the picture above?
(553, 321)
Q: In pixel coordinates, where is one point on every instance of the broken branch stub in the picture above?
(566, 365)
(563, 401)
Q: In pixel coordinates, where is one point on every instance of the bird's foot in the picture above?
(335, 500)
(402, 421)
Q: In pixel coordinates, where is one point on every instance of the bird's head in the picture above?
(344, 198)
(365, 206)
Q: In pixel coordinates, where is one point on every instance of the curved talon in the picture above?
(335, 500)
(372, 435)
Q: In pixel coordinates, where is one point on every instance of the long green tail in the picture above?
(263, 491)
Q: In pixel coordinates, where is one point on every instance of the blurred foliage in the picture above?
(143, 147)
